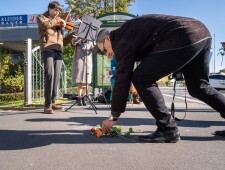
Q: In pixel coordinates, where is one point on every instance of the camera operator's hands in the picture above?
(107, 125)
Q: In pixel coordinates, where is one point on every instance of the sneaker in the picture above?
(48, 110)
(55, 107)
(220, 133)
(161, 137)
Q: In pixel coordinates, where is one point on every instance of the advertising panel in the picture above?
(32, 19)
(13, 20)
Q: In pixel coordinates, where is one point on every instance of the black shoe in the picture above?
(161, 137)
(83, 101)
(220, 133)
(79, 101)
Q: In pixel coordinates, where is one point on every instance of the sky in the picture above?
(210, 12)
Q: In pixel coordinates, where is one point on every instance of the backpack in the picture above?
(101, 98)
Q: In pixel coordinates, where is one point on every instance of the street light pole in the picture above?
(114, 10)
(28, 73)
(214, 53)
(114, 6)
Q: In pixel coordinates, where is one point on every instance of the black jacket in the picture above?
(144, 35)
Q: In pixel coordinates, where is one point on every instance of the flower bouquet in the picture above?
(116, 131)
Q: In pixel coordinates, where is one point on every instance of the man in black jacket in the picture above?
(163, 44)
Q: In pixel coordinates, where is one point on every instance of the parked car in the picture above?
(217, 81)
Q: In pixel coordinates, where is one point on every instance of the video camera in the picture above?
(178, 76)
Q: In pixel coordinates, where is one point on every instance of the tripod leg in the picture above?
(92, 104)
(71, 106)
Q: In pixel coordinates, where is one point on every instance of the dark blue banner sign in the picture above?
(13, 20)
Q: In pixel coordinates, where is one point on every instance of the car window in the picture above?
(222, 77)
(218, 77)
(213, 77)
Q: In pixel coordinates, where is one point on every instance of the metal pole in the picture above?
(114, 6)
(28, 73)
(65, 80)
(105, 5)
(114, 10)
(214, 53)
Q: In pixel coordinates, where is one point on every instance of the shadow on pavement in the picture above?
(18, 140)
(25, 139)
(93, 121)
(202, 138)
(8, 113)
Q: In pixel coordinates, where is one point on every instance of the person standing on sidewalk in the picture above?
(163, 44)
(133, 91)
(51, 44)
(82, 58)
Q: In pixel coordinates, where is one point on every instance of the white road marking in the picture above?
(191, 100)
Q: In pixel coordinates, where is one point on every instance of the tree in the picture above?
(97, 7)
(164, 81)
(68, 59)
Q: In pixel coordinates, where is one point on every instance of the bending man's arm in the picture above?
(122, 84)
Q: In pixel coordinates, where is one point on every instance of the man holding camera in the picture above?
(51, 44)
(163, 45)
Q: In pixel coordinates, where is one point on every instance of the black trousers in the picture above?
(52, 69)
(193, 62)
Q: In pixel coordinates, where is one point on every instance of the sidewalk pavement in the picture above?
(33, 140)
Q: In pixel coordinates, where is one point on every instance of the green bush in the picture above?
(72, 90)
(11, 75)
(13, 84)
(38, 93)
(12, 96)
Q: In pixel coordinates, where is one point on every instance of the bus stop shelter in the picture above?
(101, 63)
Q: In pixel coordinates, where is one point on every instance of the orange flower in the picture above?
(98, 133)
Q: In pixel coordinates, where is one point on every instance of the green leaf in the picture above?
(127, 134)
(131, 130)
(114, 133)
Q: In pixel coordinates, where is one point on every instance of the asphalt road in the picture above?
(32, 140)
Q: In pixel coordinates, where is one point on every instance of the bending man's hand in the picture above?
(107, 125)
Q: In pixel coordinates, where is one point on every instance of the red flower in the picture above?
(92, 131)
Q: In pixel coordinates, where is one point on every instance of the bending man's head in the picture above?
(104, 43)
